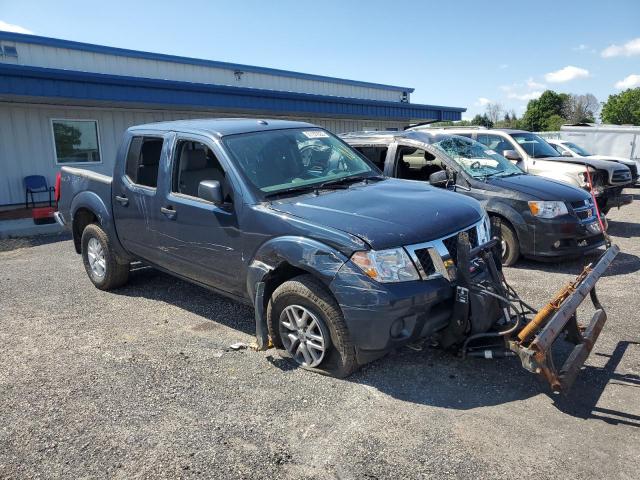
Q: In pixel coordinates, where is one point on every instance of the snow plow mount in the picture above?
(533, 343)
(524, 331)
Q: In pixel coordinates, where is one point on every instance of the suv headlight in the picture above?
(548, 209)
(386, 266)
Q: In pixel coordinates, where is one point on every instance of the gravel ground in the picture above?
(141, 383)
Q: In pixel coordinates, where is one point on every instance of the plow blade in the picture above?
(534, 342)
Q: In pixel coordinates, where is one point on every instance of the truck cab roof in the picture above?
(220, 127)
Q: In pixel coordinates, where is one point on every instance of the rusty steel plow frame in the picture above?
(533, 344)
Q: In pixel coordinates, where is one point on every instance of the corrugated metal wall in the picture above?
(26, 139)
(69, 59)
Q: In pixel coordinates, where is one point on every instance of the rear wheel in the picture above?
(100, 261)
(509, 246)
(308, 327)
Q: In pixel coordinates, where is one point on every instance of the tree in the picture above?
(482, 120)
(553, 123)
(538, 111)
(581, 108)
(493, 112)
(623, 108)
(66, 138)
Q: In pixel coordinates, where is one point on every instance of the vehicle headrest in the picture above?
(150, 152)
(194, 159)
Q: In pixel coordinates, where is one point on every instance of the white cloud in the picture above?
(9, 27)
(566, 74)
(532, 84)
(503, 66)
(631, 81)
(632, 47)
(483, 102)
(581, 47)
(525, 96)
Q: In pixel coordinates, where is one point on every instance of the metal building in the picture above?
(68, 103)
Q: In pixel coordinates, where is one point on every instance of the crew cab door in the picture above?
(199, 240)
(134, 194)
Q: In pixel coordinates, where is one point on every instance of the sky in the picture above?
(463, 53)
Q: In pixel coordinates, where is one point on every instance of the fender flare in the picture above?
(95, 204)
(303, 253)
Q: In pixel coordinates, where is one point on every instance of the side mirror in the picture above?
(512, 155)
(211, 191)
(439, 179)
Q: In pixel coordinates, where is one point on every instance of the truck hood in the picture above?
(624, 161)
(389, 213)
(540, 188)
(597, 164)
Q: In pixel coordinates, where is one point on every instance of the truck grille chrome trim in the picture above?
(430, 257)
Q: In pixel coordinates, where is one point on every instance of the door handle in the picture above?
(122, 200)
(169, 212)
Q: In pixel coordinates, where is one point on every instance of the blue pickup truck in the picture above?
(340, 263)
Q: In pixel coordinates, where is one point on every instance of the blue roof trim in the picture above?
(124, 52)
(53, 83)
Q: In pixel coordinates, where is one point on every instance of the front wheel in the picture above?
(509, 246)
(100, 261)
(308, 327)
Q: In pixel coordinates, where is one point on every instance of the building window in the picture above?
(76, 141)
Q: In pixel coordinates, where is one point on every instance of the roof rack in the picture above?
(368, 133)
(452, 127)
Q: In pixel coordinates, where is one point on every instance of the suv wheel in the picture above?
(307, 325)
(99, 259)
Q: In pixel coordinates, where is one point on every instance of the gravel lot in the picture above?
(140, 383)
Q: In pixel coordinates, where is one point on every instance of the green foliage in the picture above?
(623, 108)
(66, 138)
(553, 123)
(541, 110)
(482, 120)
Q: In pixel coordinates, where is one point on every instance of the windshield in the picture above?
(475, 158)
(577, 149)
(535, 146)
(280, 160)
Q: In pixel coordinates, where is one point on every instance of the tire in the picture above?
(115, 274)
(510, 245)
(305, 293)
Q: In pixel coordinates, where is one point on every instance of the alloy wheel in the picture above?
(303, 335)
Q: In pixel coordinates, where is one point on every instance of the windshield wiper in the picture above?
(342, 182)
(300, 189)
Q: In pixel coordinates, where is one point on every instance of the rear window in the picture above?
(143, 160)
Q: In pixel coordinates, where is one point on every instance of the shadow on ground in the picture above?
(428, 376)
(150, 283)
(623, 264)
(8, 244)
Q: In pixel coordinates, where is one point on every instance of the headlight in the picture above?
(548, 209)
(393, 265)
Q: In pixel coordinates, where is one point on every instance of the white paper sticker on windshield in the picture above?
(490, 152)
(315, 134)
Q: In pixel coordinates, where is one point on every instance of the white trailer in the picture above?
(610, 140)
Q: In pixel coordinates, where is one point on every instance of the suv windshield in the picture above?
(535, 146)
(577, 149)
(475, 158)
(294, 159)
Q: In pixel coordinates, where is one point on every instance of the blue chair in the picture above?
(35, 184)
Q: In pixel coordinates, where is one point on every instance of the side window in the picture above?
(195, 162)
(143, 160)
(376, 155)
(495, 143)
(416, 164)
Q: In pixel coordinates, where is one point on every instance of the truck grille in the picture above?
(584, 210)
(620, 176)
(452, 242)
(429, 257)
(424, 257)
